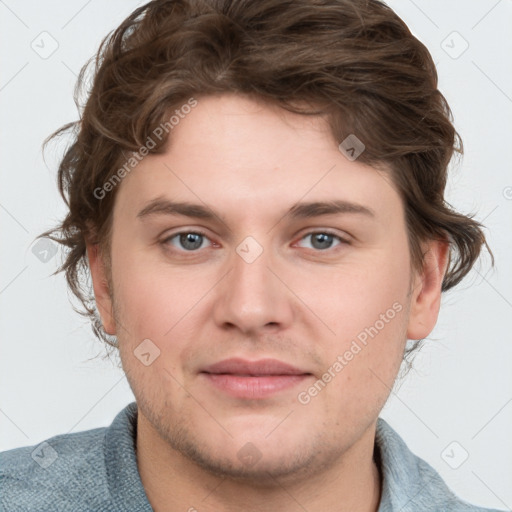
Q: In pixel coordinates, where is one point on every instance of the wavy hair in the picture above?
(353, 61)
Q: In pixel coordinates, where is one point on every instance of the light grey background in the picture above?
(461, 389)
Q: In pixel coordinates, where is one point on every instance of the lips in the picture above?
(251, 380)
(262, 367)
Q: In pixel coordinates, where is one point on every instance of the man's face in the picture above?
(259, 283)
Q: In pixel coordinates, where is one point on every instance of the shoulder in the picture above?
(67, 470)
(409, 482)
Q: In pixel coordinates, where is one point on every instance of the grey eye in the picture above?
(187, 240)
(321, 241)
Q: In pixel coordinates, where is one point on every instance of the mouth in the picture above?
(253, 379)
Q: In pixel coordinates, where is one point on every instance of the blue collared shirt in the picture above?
(96, 470)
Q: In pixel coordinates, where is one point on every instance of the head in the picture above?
(259, 118)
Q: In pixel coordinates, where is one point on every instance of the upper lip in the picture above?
(238, 366)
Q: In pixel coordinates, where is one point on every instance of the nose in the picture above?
(253, 296)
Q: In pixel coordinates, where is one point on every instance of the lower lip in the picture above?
(253, 387)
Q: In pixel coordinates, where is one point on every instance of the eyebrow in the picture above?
(305, 210)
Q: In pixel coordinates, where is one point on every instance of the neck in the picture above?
(174, 482)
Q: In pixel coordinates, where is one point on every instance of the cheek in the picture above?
(373, 336)
(145, 297)
(354, 296)
(154, 299)
(366, 305)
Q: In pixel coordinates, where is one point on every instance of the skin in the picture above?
(304, 305)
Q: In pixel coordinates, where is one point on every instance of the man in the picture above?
(256, 189)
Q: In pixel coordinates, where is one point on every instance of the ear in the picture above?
(426, 292)
(101, 287)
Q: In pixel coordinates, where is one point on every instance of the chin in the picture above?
(255, 466)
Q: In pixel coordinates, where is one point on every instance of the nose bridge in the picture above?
(251, 296)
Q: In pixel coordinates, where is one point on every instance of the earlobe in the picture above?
(426, 294)
(101, 288)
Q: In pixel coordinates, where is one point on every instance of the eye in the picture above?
(323, 240)
(189, 241)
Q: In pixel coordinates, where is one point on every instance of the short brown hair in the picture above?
(353, 61)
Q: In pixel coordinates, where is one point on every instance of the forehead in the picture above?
(231, 152)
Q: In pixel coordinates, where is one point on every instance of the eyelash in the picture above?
(342, 241)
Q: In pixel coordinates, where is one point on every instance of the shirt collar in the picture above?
(124, 483)
(409, 484)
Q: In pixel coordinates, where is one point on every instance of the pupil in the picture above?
(323, 239)
(191, 240)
